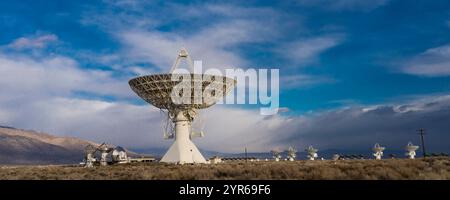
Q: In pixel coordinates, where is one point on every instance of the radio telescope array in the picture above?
(411, 150)
(378, 151)
(292, 153)
(159, 90)
(312, 153)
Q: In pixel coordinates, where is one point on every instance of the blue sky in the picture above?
(372, 41)
(332, 55)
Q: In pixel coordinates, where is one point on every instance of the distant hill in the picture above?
(19, 146)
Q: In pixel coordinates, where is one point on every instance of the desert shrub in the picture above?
(429, 168)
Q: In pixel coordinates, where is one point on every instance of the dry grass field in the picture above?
(397, 169)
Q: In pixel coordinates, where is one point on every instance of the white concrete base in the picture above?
(183, 150)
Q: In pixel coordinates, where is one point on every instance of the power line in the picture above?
(421, 133)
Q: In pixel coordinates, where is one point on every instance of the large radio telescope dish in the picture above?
(205, 90)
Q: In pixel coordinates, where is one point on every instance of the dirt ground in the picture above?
(397, 169)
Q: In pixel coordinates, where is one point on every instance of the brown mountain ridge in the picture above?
(19, 146)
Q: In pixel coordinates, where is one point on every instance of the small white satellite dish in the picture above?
(276, 154)
(378, 151)
(292, 153)
(312, 153)
(411, 150)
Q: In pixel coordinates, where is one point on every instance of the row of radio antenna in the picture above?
(312, 153)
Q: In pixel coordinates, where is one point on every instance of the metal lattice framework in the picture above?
(157, 89)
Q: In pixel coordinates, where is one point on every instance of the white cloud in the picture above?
(305, 51)
(33, 42)
(57, 76)
(100, 121)
(215, 41)
(209, 46)
(244, 128)
(431, 63)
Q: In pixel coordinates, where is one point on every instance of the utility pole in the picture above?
(421, 133)
(245, 154)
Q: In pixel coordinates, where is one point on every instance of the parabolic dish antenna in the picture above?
(312, 153)
(276, 154)
(411, 150)
(181, 95)
(292, 153)
(378, 151)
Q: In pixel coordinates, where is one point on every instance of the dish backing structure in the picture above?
(204, 91)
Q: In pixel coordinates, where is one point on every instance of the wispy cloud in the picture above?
(33, 42)
(158, 48)
(431, 63)
(29, 78)
(229, 27)
(305, 51)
